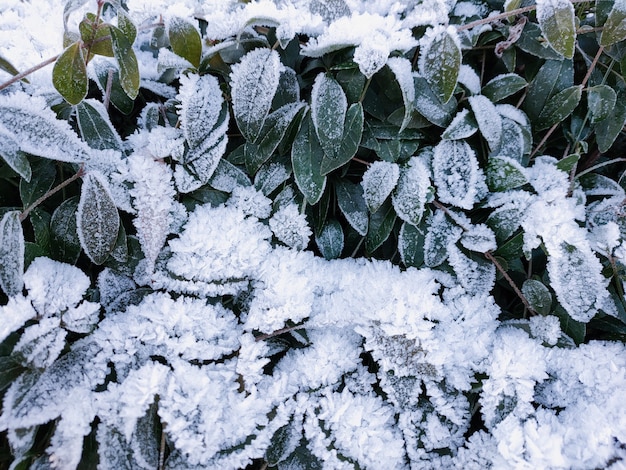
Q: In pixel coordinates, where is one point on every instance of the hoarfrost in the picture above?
(378, 181)
(411, 194)
(456, 173)
(290, 227)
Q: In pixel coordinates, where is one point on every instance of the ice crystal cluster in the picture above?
(220, 338)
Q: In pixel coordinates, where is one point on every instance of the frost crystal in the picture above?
(291, 227)
(378, 182)
(411, 194)
(547, 329)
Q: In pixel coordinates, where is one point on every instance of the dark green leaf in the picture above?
(227, 177)
(44, 174)
(40, 221)
(127, 61)
(306, 159)
(568, 163)
(572, 328)
(440, 63)
(13, 156)
(553, 76)
(411, 245)
(7, 67)
(95, 126)
(352, 205)
(380, 226)
(559, 107)
(352, 132)
(601, 102)
(126, 25)
(533, 43)
(538, 296)
(440, 233)
(10, 370)
(328, 113)
(504, 173)
(330, 239)
(614, 29)
(65, 243)
(430, 106)
(503, 86)
(271, 175)
(556, 20)
(69, 74)
(185, 40)
(608, 129)
(463, 125)
(118, 96)
(513, 144)
(11, 253)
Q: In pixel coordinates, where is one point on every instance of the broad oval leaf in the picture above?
(463, 125)
(96, 35)
(552, 77)
(97, 219)
(568, 163)
(126, 25)
(378, 182)
(411, 245)
(380, 226)
(441, 233)
(352, 205)
(10, 152)
(430, 106)
(412, 192)
(488, 118)
(271, 175)
(559, 107)
(254, 81)
(306, 159)
(611, 127)
(502, 86)
(403, 71)
(329, 106)
(12, 249)
(538, 296)
(504, 173)
(601, 102)
(513, 143)
(455, 173)
(69, 74)
(227, 177)
(440, 60)
(614, 28)
(125, 56)
(330, 239)
(96, 127)
(44, 174)
(352, 133)
(185, 40)
(557, 22)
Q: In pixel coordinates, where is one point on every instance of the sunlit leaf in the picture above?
(185, 40)
(556, 20)
(440, 61)
(125, 56)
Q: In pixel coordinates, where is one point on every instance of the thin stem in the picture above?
(545, 139)
(506, 276)
(367, 84)
(162, 451)
(26, 73)
(54, 190)
(592, 66)
(362, 162)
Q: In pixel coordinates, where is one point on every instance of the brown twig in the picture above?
(26, 73)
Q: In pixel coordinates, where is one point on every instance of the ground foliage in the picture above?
(315, 234)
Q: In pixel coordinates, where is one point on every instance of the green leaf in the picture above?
(10, 370)
(614, 29)
(271, 175)
(185, 40)
(488, 119)
(126, 25)
(559, 107)
(119, 98)
(502, 86)
(504, 173)
(463, 125)
(329, 107)
(125, 56)
(572, 328)
(97, 219)
(380, 226)
(402, 69)
(352, 133)
(556, 19)
(283, 443)
(40, 220)
(227, 177)
(330, 239)
(411, 245)
(532, 42)
(440, 62)
(13, 156)
(96, 127)
(412, 191)
(512, 143)
(601, 102)
(352, 205)
(69, 74)
(568, 163)
(378, 182)
(306, 159)
(610, 128)
(44, 174)
(553, 76)
(430, 106)
(274, 130)
(440, 234)
(538, 296)
(65, 243)
(11, 253)
(97, 36)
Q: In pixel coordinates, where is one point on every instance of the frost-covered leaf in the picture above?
(119, 98)
(126, 25)
(185, 39)
(476, 274)
(378, 181)
(538, 296)
(97, 219)
(306, 159)
(411, 245)
(129, 67)
(38, 131)
(412, 191)
(441, 233)
(505, 173)
(288, 88)
(330, 239)
(202, 162)
(69, 75)
(488, 119)
(430, 106)
(557, 22)
(455, 173)
(559, 107)
(568, 163)
(440, 60)
(329, 106)
(254, 81)
(41, 343)
(479, 238)
(351, 137)
(502, 86)
(463, 125)
(10, 152)
(97, 35)
(403, 72)
(599, 185)
(381, 224)
(11, 253)
(65, 242)
(608, 129)
(515, 141)
(352, 204)
(95, 126)
(203, 111)
(506, 219)
(614, 28)
(601, 102)
(271, 175)
(553, 77)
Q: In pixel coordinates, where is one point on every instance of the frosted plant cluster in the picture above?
(228, 342)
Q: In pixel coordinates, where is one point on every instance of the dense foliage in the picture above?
(315, 234)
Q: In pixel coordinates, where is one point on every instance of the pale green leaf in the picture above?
(129, 68)
(11, 254)
(557, 22)
(185, 40)
(614, 29)
(440, 61)
(126, 25)
(69, 74)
